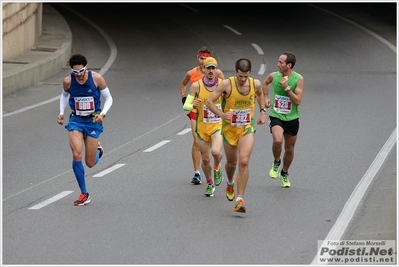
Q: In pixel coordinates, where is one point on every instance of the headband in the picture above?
(204, 54)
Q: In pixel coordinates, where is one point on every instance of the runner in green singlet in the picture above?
(284, 113)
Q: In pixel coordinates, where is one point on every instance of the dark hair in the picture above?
(205, 49)
(77, 59)
(290, 59)
(243, 65)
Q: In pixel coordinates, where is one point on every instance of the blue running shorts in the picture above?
(87, 127)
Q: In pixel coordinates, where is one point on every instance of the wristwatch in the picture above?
(288, 88)
(263, 109)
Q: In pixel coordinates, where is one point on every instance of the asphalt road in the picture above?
(146, 211)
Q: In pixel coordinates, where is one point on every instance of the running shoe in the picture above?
(83, 199)
(210, 188)
(230, 192)
(196, 179)
(274, 171)
(285, 182)
(217, 176)
(101, 149)
(240, 206)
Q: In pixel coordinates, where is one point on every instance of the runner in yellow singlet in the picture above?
(238, 126)
(192, 76)
(208, 125)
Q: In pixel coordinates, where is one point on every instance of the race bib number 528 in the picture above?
(282, 104)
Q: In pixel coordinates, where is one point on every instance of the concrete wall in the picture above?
(30, 57)
(22, 26)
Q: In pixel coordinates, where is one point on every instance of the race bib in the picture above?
(84, 106)
(282, 104)
(241, 118)
(209, 116)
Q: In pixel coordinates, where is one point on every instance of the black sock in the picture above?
(283, 173)
(277, 162)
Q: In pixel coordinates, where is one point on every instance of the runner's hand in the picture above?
(228, 115)
(60, 119)
(262, 118)
(98, 118)
(197, 103)
(268, 102)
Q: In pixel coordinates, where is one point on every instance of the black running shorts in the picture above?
(290, 127)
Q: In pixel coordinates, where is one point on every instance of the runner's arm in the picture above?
(104, 90)
(265, 89)
(63, 101)
(189, 100)
(259, 94)
(183, 85)
(296, 95)
(108, 99)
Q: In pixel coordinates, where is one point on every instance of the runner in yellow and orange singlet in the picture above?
(192, 76)
(238, 127)
(208, 125)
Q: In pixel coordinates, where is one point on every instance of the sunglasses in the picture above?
(79, 71)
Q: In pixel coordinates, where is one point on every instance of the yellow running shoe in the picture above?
(230, 192)
(217, 176)
(285, 182)
(209, 190)
(274, 171)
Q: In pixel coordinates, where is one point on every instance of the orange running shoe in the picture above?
(83, 199)
(240, 206)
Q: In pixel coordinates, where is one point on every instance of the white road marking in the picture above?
(231, 29)
(32, 106)
(157, 146)
(111, 169)
(262, 69)
(260, 52)
(51, 200)
(258, 49)
(351, 205)
(184, 131)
